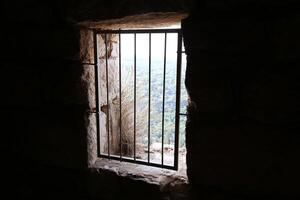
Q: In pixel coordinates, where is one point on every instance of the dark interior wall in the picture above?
(243, 80)
(42, 131)
(243, 129)
(43, 101)
(41, 74)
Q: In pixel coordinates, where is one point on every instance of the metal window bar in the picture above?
(177, 87)
(149, 99)
(97, 91)
(134, 101)
(107, 95)
(120, 94)
(163, 103)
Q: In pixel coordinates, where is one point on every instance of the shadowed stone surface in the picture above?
(242, 76)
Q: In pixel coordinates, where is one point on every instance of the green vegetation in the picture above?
(142, 100)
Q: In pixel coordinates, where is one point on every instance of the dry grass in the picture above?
(127, 103)
(127, 117)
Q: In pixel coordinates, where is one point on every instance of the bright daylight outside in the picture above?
(142, 104)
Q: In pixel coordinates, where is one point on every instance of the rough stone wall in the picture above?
(243, 123)
(109, 107)
(243, 128)
(88, 80)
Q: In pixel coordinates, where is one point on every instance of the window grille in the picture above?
(102, 57)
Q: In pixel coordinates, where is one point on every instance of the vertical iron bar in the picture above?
(149, 102)
(97, 92)
(120, 93)
(163, 105)
(107, 96)
(177, 116)
(134, 114)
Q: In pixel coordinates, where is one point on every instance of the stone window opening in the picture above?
(111, 51)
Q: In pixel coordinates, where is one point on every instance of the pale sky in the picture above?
(142, 48)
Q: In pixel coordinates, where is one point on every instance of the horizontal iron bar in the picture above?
(137, 162)
(138, 31)
(89, 64)
(96, 112)
(182, 114)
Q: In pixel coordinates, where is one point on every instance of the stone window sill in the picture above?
(164, 178)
